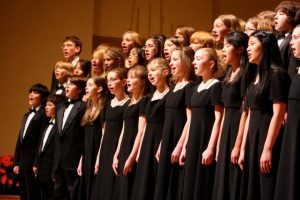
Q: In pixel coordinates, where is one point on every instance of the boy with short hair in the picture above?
(44, 158)
(69, 140)
(63, 70)
(284, 24)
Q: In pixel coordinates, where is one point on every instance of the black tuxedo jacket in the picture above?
(45, 156)
(290, 63)
(69, 140)
(26, 148)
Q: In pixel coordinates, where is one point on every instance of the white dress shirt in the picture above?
(29, 118)
(49, 128)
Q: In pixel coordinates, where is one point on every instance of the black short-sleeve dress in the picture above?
(146, 170)
(123, 186)
(105, 179)
(92, 136)
(288, 180)
(256, 185)
(228, 176)
(170, 176)
(198, 178)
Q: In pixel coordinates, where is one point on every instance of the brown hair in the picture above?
(289, 8)
(89, 115)
(75, 40)
(141, 72)
(66, 66)
(80, 83)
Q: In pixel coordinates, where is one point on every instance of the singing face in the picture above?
(219, 30)
(150, 49)
(254, 50)
(295, 42)
(201, 62)
(168, 48)
(134, 82)
(34, 99)
(72, 91)
(230, 54)
(70, 50)
(114, 83)
(50, 109)
(92, 91)
(127, 43)
(282, 23)
(177, 68)
(133, 57)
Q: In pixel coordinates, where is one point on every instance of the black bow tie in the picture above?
(60, 87)
(69, 102)
(50, 123)
(32, 110)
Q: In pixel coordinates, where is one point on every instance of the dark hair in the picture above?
(75, 40)
(289, 8)
(270, 59)
(141, 59)
(237, 40)
(159, 41)
(186, 31)
(85, 66)
(80, 83)
(42, 90)
(55, 99)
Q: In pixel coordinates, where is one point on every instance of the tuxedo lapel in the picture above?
(71, 116)
(51, 134)
(30, 125)
(23, 126)
(60, 116)
(285, 42)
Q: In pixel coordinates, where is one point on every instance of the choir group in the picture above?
(195, 116)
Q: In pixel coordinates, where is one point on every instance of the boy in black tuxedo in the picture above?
(71, 48)
(28, 140)
(44, 158)
(284, 24)
(69, 140)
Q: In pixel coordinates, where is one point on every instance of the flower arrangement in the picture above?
(8, 181)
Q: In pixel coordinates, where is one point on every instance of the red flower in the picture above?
(7, 160)
(10, 181)
(2, 171)
(3, 179)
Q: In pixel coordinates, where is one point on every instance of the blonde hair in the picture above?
(66, 66)
(99, 54)
(205, 39)
(261, 24)
(136, 38)
(213, 55)
(163, 64)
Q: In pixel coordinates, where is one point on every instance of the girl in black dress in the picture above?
(177, 117)
(113, 111)
(266, 98)
(228, 173)
(148, 141)
(200, 143)
(138, 86)
(288, 173)
(97, 94)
